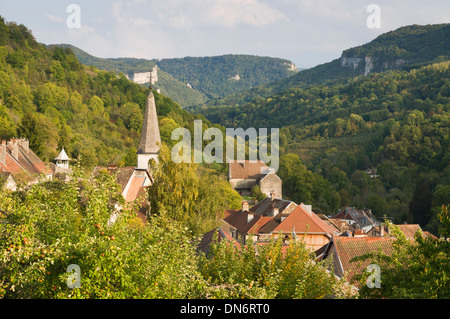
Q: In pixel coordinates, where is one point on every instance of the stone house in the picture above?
(243, 175)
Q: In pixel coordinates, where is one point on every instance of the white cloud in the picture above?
(231, 13)
(53, 18)
(308, 32)
(217, 13)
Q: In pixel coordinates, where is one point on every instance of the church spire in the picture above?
(150, 138)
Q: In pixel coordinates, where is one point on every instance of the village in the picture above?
(347, 234)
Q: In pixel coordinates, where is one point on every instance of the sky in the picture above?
(306, 32)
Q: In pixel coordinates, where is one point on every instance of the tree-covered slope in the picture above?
(220, 76)
(193, 80)
(49, 97)
(167, 84)
(402, 49)
(397, 121)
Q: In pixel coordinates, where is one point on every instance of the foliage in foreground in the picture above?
(417, 269)
(269, 271)
(52, 225)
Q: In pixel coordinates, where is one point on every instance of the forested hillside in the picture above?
(49, 97)
(193, 80)
(397, 121)
(220, 76)
(406, 48)
(167, 84)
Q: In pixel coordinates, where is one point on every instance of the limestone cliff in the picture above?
(368, 64)
(144, 77)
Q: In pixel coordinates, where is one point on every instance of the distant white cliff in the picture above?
(291, 67)
(144, 77)
(369, 63)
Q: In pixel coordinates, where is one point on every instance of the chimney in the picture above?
(381, 230)
(245, 206)
(25, 144)
(3, 153)
(14, 149)
(272, 196)
(250, 217)
(275, 211)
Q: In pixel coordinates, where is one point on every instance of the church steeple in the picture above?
(150, 138)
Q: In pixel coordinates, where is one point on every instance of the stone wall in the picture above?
(271, 183)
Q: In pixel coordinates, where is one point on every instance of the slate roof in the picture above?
(62, 156)
(266, 206)
(215, 234)
(361, 217)
(150, 141)
(123, 174)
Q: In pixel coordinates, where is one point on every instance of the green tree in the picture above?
(257, 193)
(420, 205)
(188, 194)
(29, 128)
(54, 225)
(378, 205)
(266, 272)
(130, 158)
(415, 269)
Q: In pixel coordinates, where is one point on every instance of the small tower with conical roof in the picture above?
(150, 142)
(62, 161)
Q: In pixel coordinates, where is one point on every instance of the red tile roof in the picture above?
(134, 188)
(247, 169)
(25, 165)
(348, 248)
(12, 166)
(239, 220)
(409, 229)
(300, 219)
(304, 221)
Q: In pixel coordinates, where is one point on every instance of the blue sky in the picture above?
(307, 32)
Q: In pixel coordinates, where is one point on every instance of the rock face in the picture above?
(369, 64)
(291, 67)
(143, 77)
(350, 61)
(236, 78)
